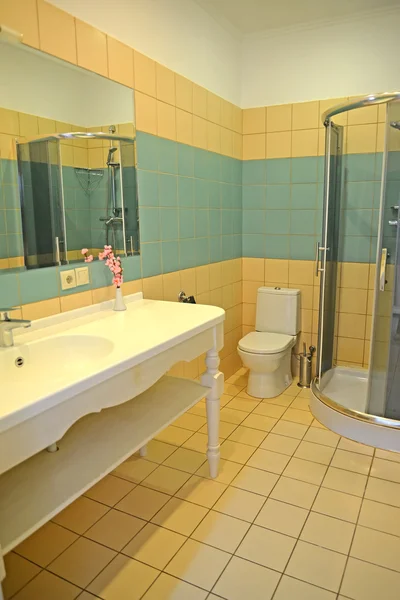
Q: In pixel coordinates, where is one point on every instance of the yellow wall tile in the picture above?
(306, 320)
(171, 286)
(133, 287)
(363, 116)
(380, 138)
(215, 275)
(28, 125)
(354, 275)
(226, 142)
(353, 301)
(57, 32)
(237, 122)
(213, 137)
(249, 314)
(254, 120)
(64, 128)
(276, 270)
(202, 279)
(120, 62)
(382, 108)
(67, 153)
(350, 350)
(237, 145)
(146, 113)
(351, 325)
(279, 118)
(213, 108)
(249, 291)
(46, 126)
(301, 271)
(9, 122)
(305, 143)
(166, 120)
(199, 101)
(306, 295)
(188, 281)
(184, 93)
(325, 105)
(165, 80)
(226, 114)
(254, 146)
(184, 127)
(103, 294)
(153, 287)
(145, 74)
(305, 115)
(91, 46)
(253, 269)
(199, 132)
(21, 16)
(279, 145)
(361, 138)
(39, 310)
(321, 141)
(75, 301)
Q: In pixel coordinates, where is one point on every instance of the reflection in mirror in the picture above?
(67, 162)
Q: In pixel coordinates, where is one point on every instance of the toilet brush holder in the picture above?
(305, 368)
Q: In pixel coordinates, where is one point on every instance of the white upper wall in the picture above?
(359, 56)
(177, 33)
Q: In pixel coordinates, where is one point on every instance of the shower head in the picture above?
(110, 154)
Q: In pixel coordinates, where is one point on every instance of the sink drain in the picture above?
(19, 362)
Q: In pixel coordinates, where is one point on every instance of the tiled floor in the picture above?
(296, 513)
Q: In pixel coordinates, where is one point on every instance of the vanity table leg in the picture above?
(2, 574)
(142, 452)
(214, 379)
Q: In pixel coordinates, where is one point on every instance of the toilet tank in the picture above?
(278, 310)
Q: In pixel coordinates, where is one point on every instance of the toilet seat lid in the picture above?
(259, 342)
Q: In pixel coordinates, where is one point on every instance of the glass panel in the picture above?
(329, 252)
(130, 198)
(384, 379)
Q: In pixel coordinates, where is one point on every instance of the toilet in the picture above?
(266, 352)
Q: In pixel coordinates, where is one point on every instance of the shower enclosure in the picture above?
(360, 403)
(78, 190)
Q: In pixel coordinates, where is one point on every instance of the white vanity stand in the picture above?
(101, 416)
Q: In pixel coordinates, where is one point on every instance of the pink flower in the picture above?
(84, 251)
(89, 258)
(113, 263)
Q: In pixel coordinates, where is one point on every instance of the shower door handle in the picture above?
(318, 269)
(382, 274)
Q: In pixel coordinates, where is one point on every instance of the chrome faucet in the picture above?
(7, 325)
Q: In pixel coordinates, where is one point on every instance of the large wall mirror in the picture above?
(67, 162)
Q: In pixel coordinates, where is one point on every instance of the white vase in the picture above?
(119, 303)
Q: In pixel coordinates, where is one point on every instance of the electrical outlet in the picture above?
(82, 276)
(68, 279)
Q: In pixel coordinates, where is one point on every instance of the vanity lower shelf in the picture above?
(37, 489)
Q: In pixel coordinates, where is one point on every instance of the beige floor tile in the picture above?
(171, 588)
(180, 516)
(135, 469)
(267, 548)
(344, 481)
(201, 491)
(47, 586)
(298, 416)
(243, 579)
(46, 544)
(268, 461)
(269, 410)
(243, 404)
(190, 422)
(292, 430)
(231, 415)
(337, 504)
(255, 480)
(380, 516)
(167, 480)
(380, 490)
(295, 492)
(110, 490)
(246, 435)
(351, 461)
(227, 471)
(317, 566)
(199, 409)
(284, 400)
(239, 503)
(293, 390)
(328, 532)
(293, 589)
(259, 422)
(305, 470)
(81, 562)
(282, 517)
(314, 452)
(123, 579)
(115, 529)
(154, 545)
(198, 564)
(319, 425)
(173, 435)
(86, 596)
(225, 429)
(364, 581)
(301, 403)
(232, 389)
(197, 442)
(158, 451)
(80, 515)
(385, 469)
(236, 452)
(240, 377)
(352, 446)
(18, 572)
(322, 436)
(376, 547)
(244, 394)
(394, 456)
(280, 443)
(142, 502)
(185, 460)
(221, 531)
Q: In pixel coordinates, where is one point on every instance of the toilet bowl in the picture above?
(266, 352)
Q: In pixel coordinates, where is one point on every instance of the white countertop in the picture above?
(70, 353)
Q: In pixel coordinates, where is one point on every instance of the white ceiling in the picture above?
(249, 17)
